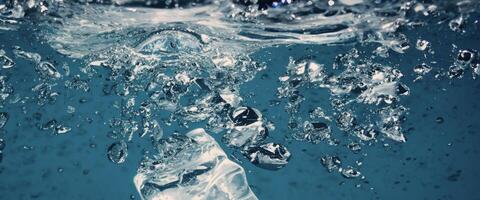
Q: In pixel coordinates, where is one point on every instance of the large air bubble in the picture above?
(170, 41)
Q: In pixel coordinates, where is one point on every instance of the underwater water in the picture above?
(326, 99)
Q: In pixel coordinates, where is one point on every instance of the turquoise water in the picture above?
(433, 156)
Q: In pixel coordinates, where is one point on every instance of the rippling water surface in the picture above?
(326, 99)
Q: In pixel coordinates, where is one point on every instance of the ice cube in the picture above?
(191, 166)
(270, 156)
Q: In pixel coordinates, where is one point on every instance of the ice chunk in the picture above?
(6, 62)
(231, 97)
(242, 135)
(346, 120)
(192, 166)
(375, 94)
(422, 45)
(2, 144)
(350, 172)
(422, 69)
(47, 69)
(117, 152)
(34, 57)
(314, 132)
(457, 24)
(3, 119)
(245, 115)
(390, 123)
(268, 156)
(331, 162)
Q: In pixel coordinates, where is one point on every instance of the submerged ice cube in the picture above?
(248, 127)
(2, 144)
(117, 152)
(331, 163)
(350, 172)
(245, 115)
(6, 62)
(3, 119)
(315, 132)
(271, 156)
(191, 166)
(242, 135)
(46, 69)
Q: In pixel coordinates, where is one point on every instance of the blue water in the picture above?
(438, 161)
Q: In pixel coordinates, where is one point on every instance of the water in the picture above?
(305, 99)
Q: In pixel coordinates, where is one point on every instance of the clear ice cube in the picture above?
(191, 166)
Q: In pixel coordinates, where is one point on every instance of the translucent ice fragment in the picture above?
(422, 45)
(375, 94)
(60, 129)
(47, 69)
(118, 152)
(3, 119)
(34, 57)
(350, 172)
(2, 144)
(245, 115)
(390, 123)
(457, 24)
(246, 135)
(268, 156)
(6, 62)
(231, 97)
(331, 162)
(316, 72)
(422, 69)
(191, 166)
(345, 120)
(315, 132)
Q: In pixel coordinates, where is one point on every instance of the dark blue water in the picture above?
(438, 161)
